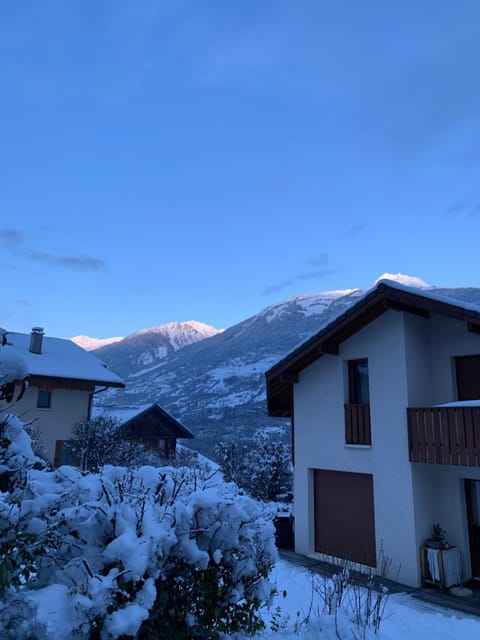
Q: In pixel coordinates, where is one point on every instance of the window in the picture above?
(65, 455)
(467, 369)
(357, 411)
(44, 399)
(358, 382)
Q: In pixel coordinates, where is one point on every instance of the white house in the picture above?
(62, 380)
(377, 461)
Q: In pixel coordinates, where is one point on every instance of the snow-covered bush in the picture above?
(13, 371)
(146, 553)
(261, 466)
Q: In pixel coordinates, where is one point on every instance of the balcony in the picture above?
(444, 435)
(357, 424)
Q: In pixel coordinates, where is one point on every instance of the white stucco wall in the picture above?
(440, 499)
(67, 407)
(320, 438)
(449, 338)
(411, 363)
(439, 496)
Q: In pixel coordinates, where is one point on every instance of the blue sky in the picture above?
(173, 160)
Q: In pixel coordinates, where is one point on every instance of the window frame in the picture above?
(44, 393)
(357, 414)
(354, 389)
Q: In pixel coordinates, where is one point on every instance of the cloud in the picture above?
(11, 237)
(356, 230)
(79, 263)
(14, 240)
(301, 277)
(459, 207)
(465, 209)
(320, 260)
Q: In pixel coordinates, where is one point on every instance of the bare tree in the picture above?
(97, 441)
(261, 466)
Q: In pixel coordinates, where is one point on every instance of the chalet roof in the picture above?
(155, 415)
(386, 295)
(62, 358)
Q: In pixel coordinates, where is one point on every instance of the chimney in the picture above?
(36, 339)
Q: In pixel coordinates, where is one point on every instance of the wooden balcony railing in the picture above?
(357, 424)
(444, 435)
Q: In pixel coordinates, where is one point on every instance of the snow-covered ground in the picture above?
(405, 617)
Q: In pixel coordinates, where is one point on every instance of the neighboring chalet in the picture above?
(62, 380)
(378, 460)
(156, 429)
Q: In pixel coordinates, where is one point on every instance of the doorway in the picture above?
(472, 496)
(467, 369)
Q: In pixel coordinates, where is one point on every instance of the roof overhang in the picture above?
(384, 297)
(59, 382)
(180, 430)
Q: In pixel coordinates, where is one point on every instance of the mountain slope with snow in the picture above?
(144, 349)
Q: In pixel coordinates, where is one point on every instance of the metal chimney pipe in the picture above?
(36, 339)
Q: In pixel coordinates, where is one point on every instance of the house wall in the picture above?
(67, 407)
(320, 438)
(440, 499)
(449, 338)
(439, 495)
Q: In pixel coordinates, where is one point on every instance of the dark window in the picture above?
(64, 454)
(358, 382)
(467, 369)
(44, 399)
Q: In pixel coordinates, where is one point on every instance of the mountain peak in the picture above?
(89, 344)
(189, 327)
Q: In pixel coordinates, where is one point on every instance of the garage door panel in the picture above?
(344, 515)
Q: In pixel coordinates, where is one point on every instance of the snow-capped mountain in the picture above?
(144, 349)
(216, 386)
(89, 344)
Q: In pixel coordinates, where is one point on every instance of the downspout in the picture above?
(90, 400)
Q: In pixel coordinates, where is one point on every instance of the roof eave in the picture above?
(327, 340)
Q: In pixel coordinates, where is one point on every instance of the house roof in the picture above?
(61, 358)
(386, 295)
(155, 414)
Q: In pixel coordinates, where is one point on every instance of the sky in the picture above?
(178, 160)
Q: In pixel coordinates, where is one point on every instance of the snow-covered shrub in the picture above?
(146, 553)
(261, 466)
(13, 371)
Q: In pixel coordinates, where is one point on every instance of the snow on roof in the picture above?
(62, 358)
(426, 293)
(393, 284)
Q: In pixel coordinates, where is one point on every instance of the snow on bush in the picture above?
(147, 553)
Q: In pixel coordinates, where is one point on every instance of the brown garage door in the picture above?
(467, 369)
(344, 515)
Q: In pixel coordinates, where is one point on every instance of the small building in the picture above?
(385, 409)
(156, 429)
(62, 381)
